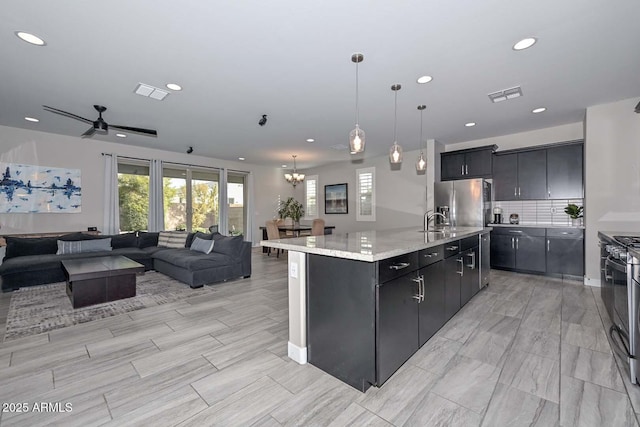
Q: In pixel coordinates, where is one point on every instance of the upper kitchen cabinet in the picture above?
(564, 172)
(470, 163)
(538, 174)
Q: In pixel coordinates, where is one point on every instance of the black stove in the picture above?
(628, 241)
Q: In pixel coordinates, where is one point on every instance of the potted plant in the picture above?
(291, 208)
(575, 212)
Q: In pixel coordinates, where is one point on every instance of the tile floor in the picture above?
(527, 350)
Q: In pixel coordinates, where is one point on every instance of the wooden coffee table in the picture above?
(101, 279)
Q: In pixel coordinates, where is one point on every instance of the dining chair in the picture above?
(273, 234)
(317, 227)
(283, 234)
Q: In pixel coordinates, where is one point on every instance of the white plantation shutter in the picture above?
(311, 197)
(365, 194)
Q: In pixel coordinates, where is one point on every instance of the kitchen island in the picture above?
(361, 303)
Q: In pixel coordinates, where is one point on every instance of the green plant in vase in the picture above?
(291, 208)
(575, 212)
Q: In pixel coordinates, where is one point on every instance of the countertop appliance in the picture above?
(620, 291)
(497, 215)
(465, 202)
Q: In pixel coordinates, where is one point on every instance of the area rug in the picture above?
(37, 309)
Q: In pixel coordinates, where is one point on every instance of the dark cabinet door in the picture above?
(564, 172)
(470, 280)
(452, 166)
(397, 324)
(530, 253)
(432, 313)
(452, 275)
(505, 177)
(503, 251)
(565, 256)
(532, 175)
(478, 164)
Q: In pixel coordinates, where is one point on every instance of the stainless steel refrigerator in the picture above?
(465, 202)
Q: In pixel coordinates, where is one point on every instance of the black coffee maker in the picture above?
(497, 215)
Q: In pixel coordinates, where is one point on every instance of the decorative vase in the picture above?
(576, 222)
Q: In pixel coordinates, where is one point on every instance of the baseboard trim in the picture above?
(592, 282)
(297, 354)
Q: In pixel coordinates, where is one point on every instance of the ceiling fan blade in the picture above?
(66, 114)
(89, 132)
(147, 132)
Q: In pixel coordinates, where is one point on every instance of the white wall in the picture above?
(612, 162)
(45, 149)
(550, 135)
(401, 195)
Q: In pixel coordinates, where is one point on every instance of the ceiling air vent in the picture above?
(151, 92)
(503, 95)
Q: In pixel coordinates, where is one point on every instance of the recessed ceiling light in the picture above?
(240, 158)
(470, 124)
(284, 166)
(424, 79)
(525, 43)
(538, 110)
(310, 140)
(174, 86)
(30, 38)
(31, 119)
(121, 135)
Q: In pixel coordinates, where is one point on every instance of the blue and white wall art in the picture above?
(39, 189)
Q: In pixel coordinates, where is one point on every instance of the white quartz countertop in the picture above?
(373, 245)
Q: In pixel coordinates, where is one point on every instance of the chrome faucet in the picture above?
(428, 218)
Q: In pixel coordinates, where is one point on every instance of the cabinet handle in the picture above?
(431, 254)
(548, 245)
(452, 248)
(518, 191)
(461, 169)
(515, 231)
(466, 169)
(513, 244)
(461, 272)
(517, 240)
(473, 260)
(420, 281)
(424, 291)
(515, 191)
(549, 191)
(399, 266)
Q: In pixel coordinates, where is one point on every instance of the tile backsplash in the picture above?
(543, 212)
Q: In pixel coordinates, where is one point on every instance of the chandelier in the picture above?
(294, 178)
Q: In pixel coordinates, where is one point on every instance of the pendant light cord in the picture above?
(357, 107)
(395, 116)
(421, 130)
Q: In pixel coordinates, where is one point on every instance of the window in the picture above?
(366, 194)
(190, 198)
(133, 193)
(311, 197)
(236, 206)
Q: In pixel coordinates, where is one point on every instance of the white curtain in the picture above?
(248, 233)
(224, 204)
(156, 205)
(111, 224)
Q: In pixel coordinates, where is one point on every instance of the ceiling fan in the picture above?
(99, 125)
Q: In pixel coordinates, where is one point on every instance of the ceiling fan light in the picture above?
(356, 140)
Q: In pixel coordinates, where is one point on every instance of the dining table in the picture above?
(295, 231)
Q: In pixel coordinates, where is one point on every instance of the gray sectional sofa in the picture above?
(33, 261)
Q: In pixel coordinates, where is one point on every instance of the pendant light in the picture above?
(294, 178)
(356, 136)
(395, 152)
(421, 164)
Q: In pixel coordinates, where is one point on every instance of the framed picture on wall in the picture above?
(335, 199)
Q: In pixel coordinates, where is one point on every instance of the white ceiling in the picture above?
(290, 59)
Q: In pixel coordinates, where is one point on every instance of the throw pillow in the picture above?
(228, 245)
(202, 245)
(23, 246)
(146, 239)
(125, 240)
(83, 246)
(172, 239)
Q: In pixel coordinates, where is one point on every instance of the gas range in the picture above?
(617, 246)
(628, 241)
